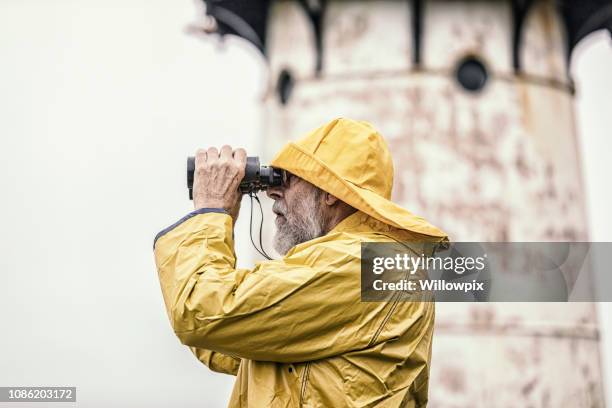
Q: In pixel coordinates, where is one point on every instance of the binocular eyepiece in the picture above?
(256, 176)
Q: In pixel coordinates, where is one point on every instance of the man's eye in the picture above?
(287, 179)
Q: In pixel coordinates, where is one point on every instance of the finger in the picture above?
(240, 155)
(226, 153)
(212, 155)
(200, 157)
(240, 160)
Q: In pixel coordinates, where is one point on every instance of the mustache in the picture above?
(279, 207)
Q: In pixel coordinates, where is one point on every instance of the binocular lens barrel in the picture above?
(256, 176)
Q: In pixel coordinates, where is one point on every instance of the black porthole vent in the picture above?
(472, 74)
(284, 86)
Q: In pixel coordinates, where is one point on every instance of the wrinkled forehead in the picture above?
(298, 184)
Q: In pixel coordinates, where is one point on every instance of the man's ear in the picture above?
(330, 199)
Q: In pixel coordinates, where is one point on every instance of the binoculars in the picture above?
(256, 176)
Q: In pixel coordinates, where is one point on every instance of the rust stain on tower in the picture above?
(476, 102)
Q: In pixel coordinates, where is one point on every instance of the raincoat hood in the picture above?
(351, 160)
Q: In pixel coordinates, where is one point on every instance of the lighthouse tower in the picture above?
(476, 102)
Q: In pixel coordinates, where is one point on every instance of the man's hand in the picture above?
(217, 177)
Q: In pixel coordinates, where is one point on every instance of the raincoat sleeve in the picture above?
(283, 311)
(218, 362)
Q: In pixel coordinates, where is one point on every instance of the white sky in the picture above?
(100, 102)
(592, 71)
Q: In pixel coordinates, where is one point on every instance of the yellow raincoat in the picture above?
(294, 330)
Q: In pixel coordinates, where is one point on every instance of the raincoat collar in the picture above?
(349, 222)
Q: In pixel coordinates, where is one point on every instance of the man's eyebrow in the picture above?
(288, 176)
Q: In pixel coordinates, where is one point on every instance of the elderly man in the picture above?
(295, 331)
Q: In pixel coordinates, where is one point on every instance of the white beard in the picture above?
(301, 224)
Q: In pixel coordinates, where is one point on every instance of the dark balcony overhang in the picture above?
(248, 19)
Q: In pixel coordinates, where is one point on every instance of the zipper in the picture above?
(304, 381)
(385, 320)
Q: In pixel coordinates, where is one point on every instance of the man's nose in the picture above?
(275, 193)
